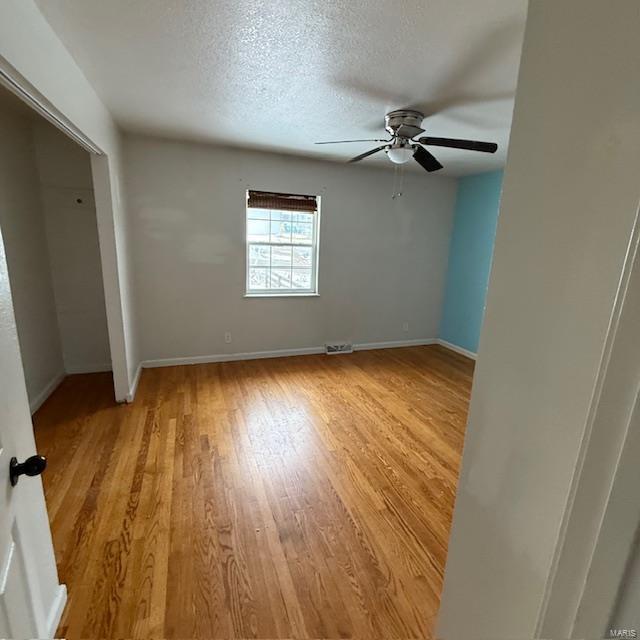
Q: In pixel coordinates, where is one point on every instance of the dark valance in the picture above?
(281, 201)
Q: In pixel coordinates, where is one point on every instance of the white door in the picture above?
(626, 611)
(596, 582)
(611, 595)
(31, 600)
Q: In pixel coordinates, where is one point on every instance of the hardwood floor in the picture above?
(305, 497)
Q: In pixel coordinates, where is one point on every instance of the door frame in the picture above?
(602, 514)
(103, 178)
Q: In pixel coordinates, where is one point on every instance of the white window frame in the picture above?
(315, 246)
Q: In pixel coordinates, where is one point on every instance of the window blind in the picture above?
(281, 201)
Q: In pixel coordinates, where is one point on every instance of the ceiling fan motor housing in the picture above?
(404, 123)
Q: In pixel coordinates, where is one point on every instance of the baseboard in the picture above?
(394, 344)
(55, 613)
(50, 387)
(457, 349)
(99, 367)
(230, 357)
(278, 353)
(134, 385)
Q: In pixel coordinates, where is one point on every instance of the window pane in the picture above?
(258, 214)
(302, 256)
(302, 217)
(281, 232)
(301, 278)
(280, 278)
(302, 232)
(258, 278)
(284, 216)
(259, 255)
(281, 256)
(258, 230)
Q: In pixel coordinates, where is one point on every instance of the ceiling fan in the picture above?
(403, 125)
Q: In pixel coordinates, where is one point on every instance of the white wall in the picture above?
(569, 202)
(72, 236)
(30, 49)
(23, 231)
(381, 262)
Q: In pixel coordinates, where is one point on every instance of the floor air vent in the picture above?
(344, 347)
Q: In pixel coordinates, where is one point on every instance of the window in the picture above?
(282, 244)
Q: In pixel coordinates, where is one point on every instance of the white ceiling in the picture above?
(281, 74)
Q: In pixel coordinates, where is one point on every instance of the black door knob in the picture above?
(32, 466)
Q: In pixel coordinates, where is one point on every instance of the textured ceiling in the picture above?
(281, 74)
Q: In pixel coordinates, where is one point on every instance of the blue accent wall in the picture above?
(470, 253)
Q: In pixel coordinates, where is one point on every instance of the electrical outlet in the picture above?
(405, 326)
(227, 337)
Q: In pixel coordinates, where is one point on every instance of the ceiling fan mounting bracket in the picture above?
(404, 122)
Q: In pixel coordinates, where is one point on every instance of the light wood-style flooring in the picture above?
(305, 497)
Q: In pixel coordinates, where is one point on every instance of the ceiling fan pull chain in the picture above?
(398, 181)
(395, 181)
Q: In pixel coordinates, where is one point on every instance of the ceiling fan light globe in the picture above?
(400, 155)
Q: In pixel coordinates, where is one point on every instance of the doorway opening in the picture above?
(48, 221)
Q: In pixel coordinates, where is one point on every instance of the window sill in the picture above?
(281, 295)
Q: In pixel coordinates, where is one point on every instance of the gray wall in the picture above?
(23, 232)
(72, 234)
(381, 261)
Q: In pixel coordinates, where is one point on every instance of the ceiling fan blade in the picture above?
(454, 143)
(341, 141)
(426, 160)
(368, 153)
